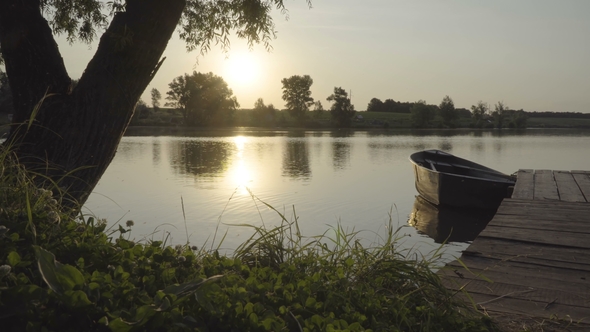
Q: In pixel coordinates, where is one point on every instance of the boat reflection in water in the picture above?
(447, 224)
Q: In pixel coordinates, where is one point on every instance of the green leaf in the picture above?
(165, 304)
(76, 299)
(59, 277)
(189, 287)
(118, 325)
(143, 313)
(249, 308)
(349, 261)
(122, 230)
(253, 318)
(13, 258)
(80, 262)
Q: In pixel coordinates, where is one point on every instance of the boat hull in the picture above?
(463, 184)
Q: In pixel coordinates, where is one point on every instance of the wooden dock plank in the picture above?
(554, 204)
(506, 305)
(552, 223)
(567, 187)
(576, 217)
(545, 186)
(535, 251)
(566, 239)
(525, 184)
(548, 300)
(567, 296)
(545, 210)
(583, 180)
(527, 274)
(531, 253)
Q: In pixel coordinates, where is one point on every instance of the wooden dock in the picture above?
(533, 258)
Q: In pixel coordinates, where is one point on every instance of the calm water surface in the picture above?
(358, 180)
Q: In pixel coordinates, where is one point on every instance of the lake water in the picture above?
(355, 179)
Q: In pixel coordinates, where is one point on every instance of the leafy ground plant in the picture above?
(59, 273)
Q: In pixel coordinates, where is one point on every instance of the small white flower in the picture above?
(181, 259)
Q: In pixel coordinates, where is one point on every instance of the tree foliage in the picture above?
(421, 114)
(264, 115)
(318, 109)
(478, 113)
(517, 119)
(375, 105)
(77, 128)
(448, 112)
(204, 99)
(499, 114)
(156, 96)
(297, 95)
(342, 109)
(389, 105)
(203, 22)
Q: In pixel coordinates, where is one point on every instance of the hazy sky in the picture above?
(530, 54)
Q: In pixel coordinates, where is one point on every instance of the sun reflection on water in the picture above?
(241, 174)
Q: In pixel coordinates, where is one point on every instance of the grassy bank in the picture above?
(60, 273)
(248, 118)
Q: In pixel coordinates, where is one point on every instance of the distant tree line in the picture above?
(423, 115)
(389, 105)
(206, 100)
(569, 115)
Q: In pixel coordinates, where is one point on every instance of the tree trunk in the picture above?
(73, 136)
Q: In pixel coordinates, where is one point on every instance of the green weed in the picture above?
(59, 273)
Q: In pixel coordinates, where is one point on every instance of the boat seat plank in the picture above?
(525, 185)
(583, 180)
(545, 186)
(567, 187)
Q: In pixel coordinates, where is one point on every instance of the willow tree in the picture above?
(70, 132)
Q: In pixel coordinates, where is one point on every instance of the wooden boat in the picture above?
(448, 224)
(444, 179)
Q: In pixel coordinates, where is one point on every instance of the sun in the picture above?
(242, 68)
